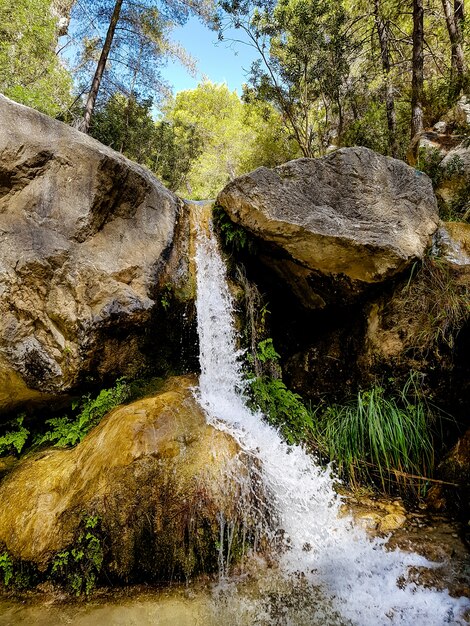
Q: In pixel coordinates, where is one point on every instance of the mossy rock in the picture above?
(159, 478)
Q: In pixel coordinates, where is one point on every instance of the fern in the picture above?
(68, 432)
(6, 566)
(80, 565)
(266, 351)
(233, 236)
(283, 408)
(14, 439)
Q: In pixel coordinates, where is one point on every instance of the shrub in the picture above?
(282, 408)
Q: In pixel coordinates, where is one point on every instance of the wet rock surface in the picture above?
(153, 472)
(437, 537)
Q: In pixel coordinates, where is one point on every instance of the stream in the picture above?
(325, 570)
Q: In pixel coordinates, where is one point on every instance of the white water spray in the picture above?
(362, 581)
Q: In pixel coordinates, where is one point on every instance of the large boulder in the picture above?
(85, 237)
(353, 215)
(154, 473)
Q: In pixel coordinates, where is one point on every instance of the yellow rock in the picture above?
(368, 520)
(390, 522)
(157, 475)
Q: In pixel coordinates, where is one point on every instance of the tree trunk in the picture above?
(454, 17)
(418, 74)
(383, 35)
(95, 85)
(459, 13)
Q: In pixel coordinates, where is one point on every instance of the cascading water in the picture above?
(362, 581)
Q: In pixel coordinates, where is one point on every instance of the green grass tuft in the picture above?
(379, 439)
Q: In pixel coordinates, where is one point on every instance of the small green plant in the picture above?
(17, 574)
(67, 432)
(15, 439)
(282, 408)
(266, 351)
(233, 237)
(80, 565)
(6, 567)
(380, 439)
(458, 209)
(166, 297)
(430, 162)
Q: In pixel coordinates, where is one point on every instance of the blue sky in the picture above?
(221, 62)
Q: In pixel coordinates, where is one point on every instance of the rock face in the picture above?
(353, 214)
(84, 234)
(153, 471)
(453, 492)
(454, 179)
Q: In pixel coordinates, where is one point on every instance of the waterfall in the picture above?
(362, 581)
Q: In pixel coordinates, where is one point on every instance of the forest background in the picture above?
(326, 74)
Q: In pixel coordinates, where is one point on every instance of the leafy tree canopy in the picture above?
(30, 71)
(234, 136)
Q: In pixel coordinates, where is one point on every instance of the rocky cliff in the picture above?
(86, 236)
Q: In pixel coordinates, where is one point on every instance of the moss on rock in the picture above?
(157, 476)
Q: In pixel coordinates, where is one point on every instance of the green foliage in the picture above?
(14, 440)
(378, 438)
(329, 66)
(126, 125)
(30, 71)
(222, 137)
(216, 113)
(80, 565)
(281, 407)
(270, 144)
(429, 162)
(369, 129)
(16, 574)
(453, 174)
(6, 567)
(69, 431)
(459, 207)
(233, 236)
(175, 149)
(300, 42)
(207, 137)
(166, 297)
(266, 351)
(140, 46)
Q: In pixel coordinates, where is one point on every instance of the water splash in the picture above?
(363, 582)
